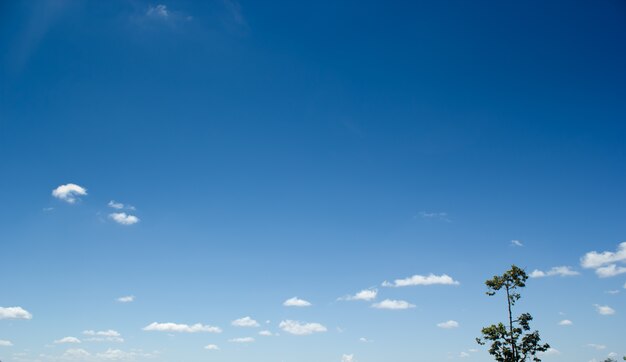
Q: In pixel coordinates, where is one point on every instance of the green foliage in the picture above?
(515, 342)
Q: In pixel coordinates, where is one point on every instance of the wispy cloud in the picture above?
(103, 336)
(158, 11)
(516, 243)
(242, 340)
(296, 302)
(212, 347)
(234, 8)
(393, 304)
(69, 192)
(364, 295)
(605, 263)
(347, 358)
(245, 322)
(301, 329)
(443, 216)
(563, 271)
(604, 309)
(126, 299)
(124, 218)
(266, 333)
(14, 313)
(598, 347)
(566, 322)
(67, 340)
(181, 328)
(5, 343)
(430, 279)
(448, 325)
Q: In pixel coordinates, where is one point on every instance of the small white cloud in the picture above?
(365, 295)
(563, 271)
(69, 192)
(604, 309)
(126, 299)
(599, 347)
(610, 270)
(67, 340)
(158, 11)
(347, 358)
(612, 292)
(119, 355)
(393, 304)
(212, 347)
(76, 354)
(5, 343)
(296, 302)
(242, 340)
(365, 340)
(464, 355)
(301, 329)
(115, 205)
(181, 328)
(14, 313)
(551, 352)
(103, 336)
(448, 325)
(430, 279)
(435, 215)
(266, 333)
(516, 243)
(245, 322)
(566, 322)
(594, 259)
(123, 218)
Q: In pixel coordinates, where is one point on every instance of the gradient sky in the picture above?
(207, 161)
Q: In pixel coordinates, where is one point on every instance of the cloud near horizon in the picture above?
(181, 328)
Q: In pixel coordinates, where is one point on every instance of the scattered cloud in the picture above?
(347, 358)
(599, 347)
(181, 328)
(245, 322)
(158, 11)
(431, 279)
(443, 216)
(365, 340)
(551, 352)
(5, 343)
(212, 347)
(296, 302)
(566, 322)
(393, 304)
(301, 329)
(516, 243)
(365, 295)
(115, 205)
(126, 299)
(69, 192)
(103, 336)
(241, 340)
(124, 218)
(464, 355)
(604, 309)
(563, 271)
(604, 263)
(67, 340)
(448, 325)
(234, 8)
(266, 333)
(14, 313)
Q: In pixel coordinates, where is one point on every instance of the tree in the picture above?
(515, 342)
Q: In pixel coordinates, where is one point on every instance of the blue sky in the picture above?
(174, 173)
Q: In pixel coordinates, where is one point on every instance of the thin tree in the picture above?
(515, 342)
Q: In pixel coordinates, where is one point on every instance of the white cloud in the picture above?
(604, 309)
(593, 259)
(551, 352)
(69, 192)
(448, 325)
(158, 11)
(76, 353)
(103, 336)
(242, 340)
(516, 243)
(365, 295)
(126, 299)
(624, 285)
(435, 215)
(14, 313)
(599, 347)
(296, 302)
(431, 279)
(212, 347)
(347, 358)
(245, 322)
(566, 322)
(563, 271)
(124, 218)
(67, 340)
(464, 355)
(5, 343)
(301, 329)
(115, 205)
(610, 270)
(365, 340)
(266, 333)
(393, 304)
(181, 328)
(613, 292)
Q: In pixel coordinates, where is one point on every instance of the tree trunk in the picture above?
(508, 299)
